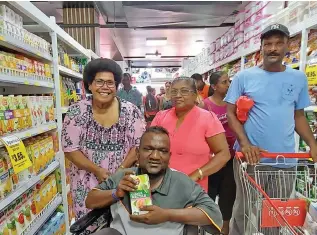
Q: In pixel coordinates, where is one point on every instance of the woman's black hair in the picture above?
(127, 75)
(190, 81)
(101, 65)
(214, 77)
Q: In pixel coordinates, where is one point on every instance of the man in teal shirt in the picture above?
(130, 93)
(177, 200)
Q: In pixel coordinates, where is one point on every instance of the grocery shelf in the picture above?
(28, 184)
(33, 131)
(69, 72)
(17, 45)
(43, 216)
(4, 78)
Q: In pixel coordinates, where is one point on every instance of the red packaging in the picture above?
(244, 104)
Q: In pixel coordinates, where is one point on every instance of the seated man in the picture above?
(177, 200)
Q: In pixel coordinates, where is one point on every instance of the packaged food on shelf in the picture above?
(312, 44)
(3, 223)
(20, 219)
(54, 226)
(11, 220)
(293, 55)
(312, 6)
(12, 24)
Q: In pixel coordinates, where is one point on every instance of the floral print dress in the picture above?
(105, 147)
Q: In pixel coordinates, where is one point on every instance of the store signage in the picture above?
(311, 73)
(17, 152)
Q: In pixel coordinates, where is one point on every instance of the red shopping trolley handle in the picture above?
(275, 155)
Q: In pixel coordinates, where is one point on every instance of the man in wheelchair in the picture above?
(177, 200)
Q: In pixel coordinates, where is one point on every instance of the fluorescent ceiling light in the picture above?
(153, 55)
(149, 64)
(156, 41)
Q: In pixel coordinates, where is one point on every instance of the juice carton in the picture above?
(43, 156)
(142, 196)
(19, 215)
(35, 153)
(14, 179)
(31, 103)
(3, 223)
(54, 185)
(11, 220)
(58, 178)
(38, 198)
(40, 109)
(26, 209)
(3, 103)
(30, 204)
(5, 185)
(55, 141)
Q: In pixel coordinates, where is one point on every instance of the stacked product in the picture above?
(68, 92)
(41, 152)
(55, 225)
(20, 66)
(292, 56)
(312, 63)
(21, 112)
(11, 24)
(234, 68)
(252, 60)
(75, 64)
(20, 213)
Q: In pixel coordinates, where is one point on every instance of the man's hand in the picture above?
(127, 184)
(102, 174)
(155, 215)
(252, 153)
(313, 152)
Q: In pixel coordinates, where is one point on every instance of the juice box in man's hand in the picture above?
(142, 195)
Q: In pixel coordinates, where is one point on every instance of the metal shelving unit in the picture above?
(41, 85)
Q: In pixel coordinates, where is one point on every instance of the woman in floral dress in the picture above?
(99, 133)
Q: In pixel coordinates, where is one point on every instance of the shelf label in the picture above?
(311, 73)
(36, 83)
(1, 38)
(26, 82)
(17, 152)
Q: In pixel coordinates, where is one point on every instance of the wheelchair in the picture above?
(88, 219)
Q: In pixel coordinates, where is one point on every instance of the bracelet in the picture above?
(201, 175)
(114, 196)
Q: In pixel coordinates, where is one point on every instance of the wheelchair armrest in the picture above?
(88, 219)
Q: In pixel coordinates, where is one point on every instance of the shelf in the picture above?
(43, 216)
(66, 71)
(17, 45)
(25, 81)
(29, 184)
(33, 131)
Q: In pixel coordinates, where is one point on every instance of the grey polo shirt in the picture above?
(177, 191)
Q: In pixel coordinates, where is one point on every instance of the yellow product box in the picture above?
(49, 189)
(5, 185)
(3, 129)
(20, 104)
(43, 155)
(12, 102)
(35, 153)
(50, 148)
(38, 199)
(44, 195)
(3, 103)
(31, 203)
(14, 178)
(54, 185)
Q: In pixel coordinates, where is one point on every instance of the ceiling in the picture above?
(125, 25)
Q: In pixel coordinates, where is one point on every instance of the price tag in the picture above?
(311, 73)
(1, 38)
(26, 82)
(36, 83)
(42, 177)
(16, 150)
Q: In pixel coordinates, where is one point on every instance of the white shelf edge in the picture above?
(25, 81)
(64, 109)
(20, 46)
(27, 185)
(33, 131)
(43, 216)
(69, 72)
(67, 188)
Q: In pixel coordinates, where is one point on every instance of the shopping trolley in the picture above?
(276, 199)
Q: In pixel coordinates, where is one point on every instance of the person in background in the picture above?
(222, 183)
(280, 95)
(151, 105)
(177, 200)
(99, 133)
(195, 134)
(162, 92)
(165, 102)
(202, 87)
(129, 92)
